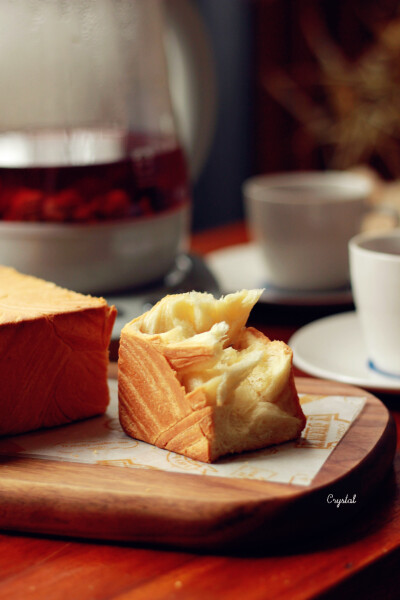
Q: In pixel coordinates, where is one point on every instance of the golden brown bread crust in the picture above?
(155, 407)
(53, 354)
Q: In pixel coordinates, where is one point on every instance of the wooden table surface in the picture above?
(359, 561)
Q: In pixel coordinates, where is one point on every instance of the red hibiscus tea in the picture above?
(89, 176)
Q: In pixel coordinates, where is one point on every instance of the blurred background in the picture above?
(301, 84)
(230, 26)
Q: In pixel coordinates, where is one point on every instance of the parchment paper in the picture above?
(100, 440)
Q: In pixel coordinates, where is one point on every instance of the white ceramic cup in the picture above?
(375, 280)
(302, 222)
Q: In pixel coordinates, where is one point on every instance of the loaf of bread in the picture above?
(193, 379)
(54, 354)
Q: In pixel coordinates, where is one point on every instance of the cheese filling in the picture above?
(239, 372)
(236, 359)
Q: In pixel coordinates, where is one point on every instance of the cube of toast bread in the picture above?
(193, 379)
(54, 354)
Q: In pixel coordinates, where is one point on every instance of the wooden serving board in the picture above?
(199, 511)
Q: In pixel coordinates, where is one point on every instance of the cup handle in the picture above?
(384, 210)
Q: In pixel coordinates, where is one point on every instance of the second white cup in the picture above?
(375, 280)
(302, 222)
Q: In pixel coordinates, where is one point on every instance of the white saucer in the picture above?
(333, 348)
(241, 267)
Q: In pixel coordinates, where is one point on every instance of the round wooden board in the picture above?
(198, 511)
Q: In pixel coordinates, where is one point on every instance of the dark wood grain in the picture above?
(196, 511)
(227, 235)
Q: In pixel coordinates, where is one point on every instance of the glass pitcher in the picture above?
(86, 125)
(94, 190)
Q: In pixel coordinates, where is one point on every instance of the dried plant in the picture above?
(359, 117)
